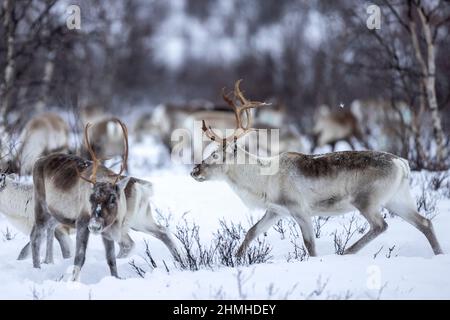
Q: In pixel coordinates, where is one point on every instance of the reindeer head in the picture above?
(106, 196)
(225, 148)
(104, 201)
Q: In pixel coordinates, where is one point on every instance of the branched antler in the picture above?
(96, 160)
(245, 106)
(125, 152)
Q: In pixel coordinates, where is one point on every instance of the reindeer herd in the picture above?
(78, 194)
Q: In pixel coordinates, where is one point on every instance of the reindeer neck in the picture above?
(246, 180)
(16, 199)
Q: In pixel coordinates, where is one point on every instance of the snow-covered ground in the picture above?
(399, 264)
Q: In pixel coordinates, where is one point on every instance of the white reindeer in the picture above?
(43, 134)
(17, 204)
(314, 185)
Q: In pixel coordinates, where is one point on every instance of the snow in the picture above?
(409, 271)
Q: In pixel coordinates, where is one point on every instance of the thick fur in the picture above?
(328, 184)
(17, 204)
(63, 197)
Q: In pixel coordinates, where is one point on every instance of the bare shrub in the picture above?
(342, 239)
(447, 190)
(378, 252)
(8, 235)
(437, 180)
(319, 290)
(280, 228)
(227, 241)
(164, 219)
(196, 255)
(221, 251)
(299, 252)
(148, 260)
(318, 223)
(426, 202)
(390, 250)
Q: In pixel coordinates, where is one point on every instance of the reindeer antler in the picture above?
(125, 152)
(95, 160)
(245, 106)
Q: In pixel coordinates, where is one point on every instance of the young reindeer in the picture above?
(309, 185)
(106, 203)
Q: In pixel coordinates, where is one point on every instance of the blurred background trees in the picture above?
(299, 53)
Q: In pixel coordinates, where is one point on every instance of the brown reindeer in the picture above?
(106, 203)
(334, 126)
(312, 185)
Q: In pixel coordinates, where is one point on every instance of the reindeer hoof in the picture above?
(123, 254)
(22, 256)
(67, 256)
(240, 253)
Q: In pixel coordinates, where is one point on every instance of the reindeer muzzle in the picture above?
(196, 174)
(95, 225)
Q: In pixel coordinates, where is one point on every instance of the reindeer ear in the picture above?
(122, 184)
(263, 163)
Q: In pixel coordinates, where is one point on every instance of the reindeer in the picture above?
(166, 118)
(43, 134)
(108, 143)
(17, 204)
(312, 185)
(93, 112)
(106, 203)
(332, 127)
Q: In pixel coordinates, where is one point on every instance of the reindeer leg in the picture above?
(25, 252)
(64, 242)
(126, 245)
(110, 255)
(425, 226)
(36, 237)
(49, 249)
(377, 226)
(333, 145)
(314, 143)
(307, 232)
(61, 234)
(80, 251)
(404, 206)
(350, 143)
(261, 226)
(164, 235)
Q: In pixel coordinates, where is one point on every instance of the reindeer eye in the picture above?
(215, 156)
(112, 200)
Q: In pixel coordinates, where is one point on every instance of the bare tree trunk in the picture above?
(430, 87)
(428, 68)
(46, 81)
(9, 25)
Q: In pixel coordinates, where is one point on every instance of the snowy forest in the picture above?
(108, 109)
